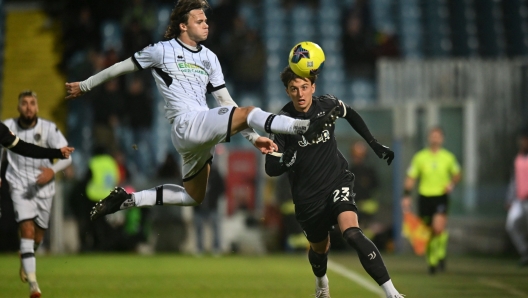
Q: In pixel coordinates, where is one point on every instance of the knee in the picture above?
(27, 229)
(351, 235)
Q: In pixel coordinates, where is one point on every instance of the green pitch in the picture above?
(239, 276)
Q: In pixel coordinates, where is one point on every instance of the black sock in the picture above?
(368, 253)
(318, 262)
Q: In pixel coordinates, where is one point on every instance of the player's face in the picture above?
(28, 108)
(196, 28)
(436, 138)
(300, 92)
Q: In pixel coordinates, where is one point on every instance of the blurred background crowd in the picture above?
(405, 65)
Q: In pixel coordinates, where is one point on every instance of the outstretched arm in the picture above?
(13, 143)
(29, 150)
(355, 120)
(77, 89)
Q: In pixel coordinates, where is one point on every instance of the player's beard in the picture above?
(27, 121)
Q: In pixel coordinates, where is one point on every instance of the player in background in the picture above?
(184, 71)
(31, 182)
(438, 172)
(322, 185)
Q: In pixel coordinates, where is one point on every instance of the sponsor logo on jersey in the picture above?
(222, 111)
(191, 68)
(325, 136)
(207, 64)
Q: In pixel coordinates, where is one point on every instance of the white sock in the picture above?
(27, 253)
(321, 282)
(389, 289)
(170, 194)
(259, 119)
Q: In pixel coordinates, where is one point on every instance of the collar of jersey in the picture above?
(198, 48)
(24, 128)
(305, 115)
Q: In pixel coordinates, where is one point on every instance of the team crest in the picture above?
(37, 137)
(206, 64)
(222, 111)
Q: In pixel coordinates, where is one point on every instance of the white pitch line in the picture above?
(498, 285)
(353, 276)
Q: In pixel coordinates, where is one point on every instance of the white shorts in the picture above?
(195, 135)
(35, 208)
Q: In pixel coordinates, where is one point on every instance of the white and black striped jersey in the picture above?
(183, 76)
(22, 172)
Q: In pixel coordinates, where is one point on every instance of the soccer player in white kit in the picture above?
(32, 183)
(184, 71)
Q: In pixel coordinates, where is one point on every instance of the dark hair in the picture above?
(26, 93)
(180, 14)
(287, 75)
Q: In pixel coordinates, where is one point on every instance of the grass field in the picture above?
(241, 276)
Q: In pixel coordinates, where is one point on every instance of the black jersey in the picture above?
(319, 166)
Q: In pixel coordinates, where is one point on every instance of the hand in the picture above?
(46, 176)
(288, 157)
(406, 204)
(382, 151)
(73, 90)
(449, 188)
(265, 145)
(66, 151)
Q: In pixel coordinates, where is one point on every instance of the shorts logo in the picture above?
(37, 137)
(207, 64)
(222, 111)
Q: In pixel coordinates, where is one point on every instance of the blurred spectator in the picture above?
(517, 220)
(220, 20)
(293, 233)
(358, 40)
(81, 32)
(107, 105)
(142, 12)
(139, 111)
(207, 212)
(365, 184)
(135, 37)
(249, 55)
(169, 229)
(102, 176)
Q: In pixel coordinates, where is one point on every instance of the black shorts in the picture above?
(428, 206)
(317, 218)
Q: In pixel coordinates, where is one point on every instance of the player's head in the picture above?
(27, 106)
(188, 18)
(358, 150)
(436, 137)
(299, 89)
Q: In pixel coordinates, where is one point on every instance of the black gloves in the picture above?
(382, 151)
(288, 157)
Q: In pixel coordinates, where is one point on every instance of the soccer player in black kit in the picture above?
(322, 186)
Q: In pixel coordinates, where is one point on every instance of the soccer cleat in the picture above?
(23, 275)
(318, 124)
(322, 292)
(34, 291)
(110, 204)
